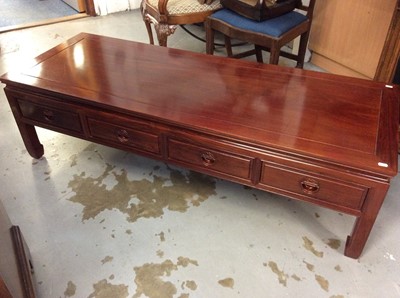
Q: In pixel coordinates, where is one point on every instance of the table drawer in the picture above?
(127, 136)
(49, 116)
(293, 181)
(210, 159)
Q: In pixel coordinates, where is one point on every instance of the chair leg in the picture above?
(163, 31)
(259, 56)
(274, 55)
(302, 49)
(228, 46)
(210, 35)
(149, 31)
(147, 22)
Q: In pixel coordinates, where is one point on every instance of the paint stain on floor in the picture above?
(104, 289)
(227, 282)
(162, 236)
(71, 289)
(322, 282)
(106, 260)
(184, 262)
(160, 253)
(190, 284)
(334, 243)
(176, 193)
(309, 266)
(308, 244)
(282, 276)
(149, 280)
(295, 277)
(338, 268)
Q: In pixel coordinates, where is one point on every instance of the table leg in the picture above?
(362, 227)
(27, 131)
(31, 140)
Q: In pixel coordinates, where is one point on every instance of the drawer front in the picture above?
(130, 137)
(60, 118)
(301, 183)
(209, 159)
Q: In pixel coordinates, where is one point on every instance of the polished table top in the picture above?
(340, 120)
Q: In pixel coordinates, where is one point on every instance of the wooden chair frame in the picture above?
(262, 41)
(165, 23)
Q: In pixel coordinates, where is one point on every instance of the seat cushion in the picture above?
(274, 27)
(181, 7)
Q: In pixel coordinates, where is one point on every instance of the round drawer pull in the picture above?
(122, 136)
(48, 115)
(207, 158)
(309, 186)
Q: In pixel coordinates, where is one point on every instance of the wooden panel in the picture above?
(124, 135)
(9, 275)
(335, 67)
(208, 159)
(50, 116)
(339, 194)
(391, 51)
(78, 5)
(15, 271)
(351, 33)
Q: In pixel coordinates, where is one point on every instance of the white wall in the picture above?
(104, 7)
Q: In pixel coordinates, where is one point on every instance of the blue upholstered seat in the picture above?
(273, 27)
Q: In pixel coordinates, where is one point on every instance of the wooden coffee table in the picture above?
(321, 138)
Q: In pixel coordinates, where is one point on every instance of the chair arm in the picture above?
(162, 8)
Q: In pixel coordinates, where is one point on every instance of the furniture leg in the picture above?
(302, 50)
(228, 46)
(210, 35)
(259, 56)
(274, 55)
(149, 32)
(147, 22)
(163, 31)
(31, 140)
(364, 223)
(28, 132)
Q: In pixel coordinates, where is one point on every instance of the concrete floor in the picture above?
(101, 222)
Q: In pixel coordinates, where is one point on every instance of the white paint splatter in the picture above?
(389, 256)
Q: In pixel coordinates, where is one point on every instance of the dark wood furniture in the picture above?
(16, 278)
(315, 137)
(166, 15)
(237, 27)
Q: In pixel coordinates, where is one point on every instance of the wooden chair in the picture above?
(166, 15)
(270, 35)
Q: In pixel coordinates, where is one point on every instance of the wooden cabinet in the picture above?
(348, 36)
(311, 136)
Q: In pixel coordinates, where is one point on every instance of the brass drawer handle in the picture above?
(309, 186)
(207, 158)
(122, 135)
(48, 115)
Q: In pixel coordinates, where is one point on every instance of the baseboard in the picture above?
(334, 67)
(44, 22)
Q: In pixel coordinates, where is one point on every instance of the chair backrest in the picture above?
(308, 8)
